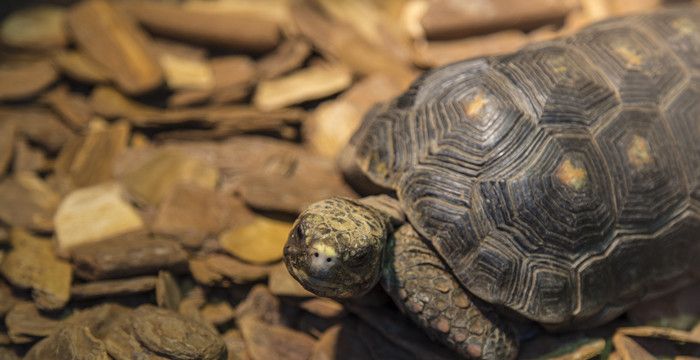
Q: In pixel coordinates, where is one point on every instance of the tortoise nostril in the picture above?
(328, 260)
(315, 254)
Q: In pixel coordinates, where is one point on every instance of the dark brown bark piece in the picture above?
(25, 79)
(111, 38)
(224, 29)
(113, 288)
(127, 256)
(168, 293)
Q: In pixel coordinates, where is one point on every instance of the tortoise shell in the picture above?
(561, 181)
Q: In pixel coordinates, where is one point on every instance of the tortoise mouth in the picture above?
(315, 285)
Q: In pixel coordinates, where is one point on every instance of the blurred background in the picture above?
(155, 154)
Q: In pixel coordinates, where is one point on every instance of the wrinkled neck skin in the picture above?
(337, 247)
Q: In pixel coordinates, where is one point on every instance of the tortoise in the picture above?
(559, 184)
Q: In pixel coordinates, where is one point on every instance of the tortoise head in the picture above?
(336, 248)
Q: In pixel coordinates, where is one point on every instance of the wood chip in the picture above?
(438, 53)
(235, 345)
(341, 41)
(29, 158)
(191, 213)
(127, 256)
(332, 123)
(233, 77)
(259, 242)
(39, 125)
(21, 80)
(32, 264)
(37, 27)
(589, 350)
(113, 40)
(8, 131)
(7, 298)
(183, 72)
(226, 120)
(445, 19)
(217, 313)
(265, 341)
(113, 288)
(70, 343)
(73, 108)
(203, 274)
(80, 67)
(281, 283)
(226, 267)
(223, 29)
(290, 55)
(628, 349)
(88, 160)
(260, 305)
(157, 178)
(94, 213)
(168, 293)
(283, 183)
(24, 322)
(192, 302)
(27, 201)
(155, 333)
(310, 83)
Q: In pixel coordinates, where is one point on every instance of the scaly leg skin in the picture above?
(425, 290)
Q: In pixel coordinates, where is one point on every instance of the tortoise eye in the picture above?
(298, 232)
(360, 259)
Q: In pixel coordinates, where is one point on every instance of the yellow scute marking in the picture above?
(571, 175)
(683, 26)
(630, 55)
(639, 152)
(474, 106)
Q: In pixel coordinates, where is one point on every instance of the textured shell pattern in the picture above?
(562, 181)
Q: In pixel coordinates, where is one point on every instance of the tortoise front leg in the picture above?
(424, 289)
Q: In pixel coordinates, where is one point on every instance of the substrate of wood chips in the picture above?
(153, 155)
